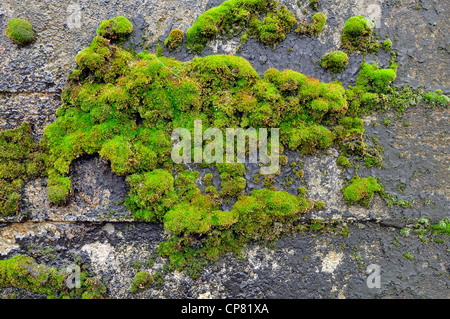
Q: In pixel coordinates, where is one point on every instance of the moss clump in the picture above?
(117, 28)
(372, 90)
(361, 190)
(208, 179)
(174, 39)
(233, 184)
(274, 27)
(20, 31)
(443, 227)
(343, 162)
(23, 272)
(302, 27)
(314, 4)
(317, 24)
(151, 195)
(387, 44)
(20, 159)
(142, 281)
(319, 205)
(357, 36)
(335, 61)
(234, 16)
(259, 213)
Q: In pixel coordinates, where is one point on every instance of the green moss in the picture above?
(234, 16)
(314, 4)
(117, 28)
(302, 27)
(361, 190)
(319, 205)
(357, 36)
(208, 179)
(259, 212)
(443, 227)
(387, 44)
(20, 31)
(174, 39)
(142, 281)
(159, 51)
(343, 162)
(20, 159)
(317, 24)
(335, 61)
(302, 192)
(23, 272)
(151, 196)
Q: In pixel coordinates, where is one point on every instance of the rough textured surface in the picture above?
(94, 227)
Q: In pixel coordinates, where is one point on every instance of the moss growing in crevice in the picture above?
(232, 17)
(174, 39)
(117, 28)
(20, 31)
(361, 190)
(20, 159)
(357, 36)
(318, 21)
(23, 272)
(142, 281)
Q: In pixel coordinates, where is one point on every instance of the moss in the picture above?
(302, 27)
(302, 192)
(20, 159)
(274, 27)
(142, 281)
(20, 31)
(335, 61)
(299, 174)
(314, 4)
(259, 212)
(23, 272)
(174, 39)
(357, 36)
(319, 205)
(317, 24)
(343, 162)
(443, 227)
(234, 187)
(151, 195)
(361, 190)
(159, 51)
(283, 160)
(387, 44)
(208, 179)
(234, 16)
(117, 28)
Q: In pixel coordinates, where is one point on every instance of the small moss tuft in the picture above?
(174, 39)
(387, 44)
(335, 61)
(117, 28)
(361, 190)
(142, 281)
(317, 24)
(357, 36)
